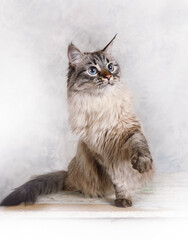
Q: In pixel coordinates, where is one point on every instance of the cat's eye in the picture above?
(92, 70)
(110, 67)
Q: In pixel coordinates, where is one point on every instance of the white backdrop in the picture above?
(151, 47)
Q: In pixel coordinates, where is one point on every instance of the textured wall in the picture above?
(152, 49)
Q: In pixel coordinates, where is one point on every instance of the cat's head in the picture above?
(92, 72)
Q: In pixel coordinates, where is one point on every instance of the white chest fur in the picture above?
(90, 116)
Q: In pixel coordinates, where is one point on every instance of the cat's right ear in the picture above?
(74, 55)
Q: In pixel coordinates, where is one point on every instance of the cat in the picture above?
(112, 153)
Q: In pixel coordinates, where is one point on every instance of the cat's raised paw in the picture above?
(142, 163)
(123, 202)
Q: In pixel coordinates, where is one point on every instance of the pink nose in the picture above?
(108, 77)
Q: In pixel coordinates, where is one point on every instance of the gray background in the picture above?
(151, 47)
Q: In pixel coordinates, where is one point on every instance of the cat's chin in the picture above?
(105, 85)
(104, 89)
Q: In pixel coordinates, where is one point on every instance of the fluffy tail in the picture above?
(29, 191)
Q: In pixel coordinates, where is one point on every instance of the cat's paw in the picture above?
(123, 202)
(142, 163)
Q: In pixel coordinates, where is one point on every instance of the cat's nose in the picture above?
(108, 77)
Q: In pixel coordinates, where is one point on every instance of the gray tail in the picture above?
(40, 185)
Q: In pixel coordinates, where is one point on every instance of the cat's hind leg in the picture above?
(85, 174)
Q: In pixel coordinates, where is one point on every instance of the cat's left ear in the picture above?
(74, 54)
(108, 48)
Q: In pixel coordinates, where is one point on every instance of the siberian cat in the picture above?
(112, 152)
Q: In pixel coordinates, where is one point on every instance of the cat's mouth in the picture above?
(106, 84)
(106, 81)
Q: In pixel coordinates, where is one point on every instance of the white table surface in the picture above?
(167, 197)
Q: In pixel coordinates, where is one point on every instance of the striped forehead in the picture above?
(98, 58)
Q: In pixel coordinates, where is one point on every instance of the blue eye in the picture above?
(110, 67)
(92, 70)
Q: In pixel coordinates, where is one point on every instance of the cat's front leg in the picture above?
(139, 153)
(117, 176)
(123, 198)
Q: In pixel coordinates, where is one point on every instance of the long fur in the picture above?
(104, 122)
(28, 192)
(112, 153)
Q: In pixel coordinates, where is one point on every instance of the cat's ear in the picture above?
(74, 54)
(108, 48)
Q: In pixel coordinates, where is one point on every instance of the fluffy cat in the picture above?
(112, 152)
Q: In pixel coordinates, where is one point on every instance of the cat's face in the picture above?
(92, 72)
